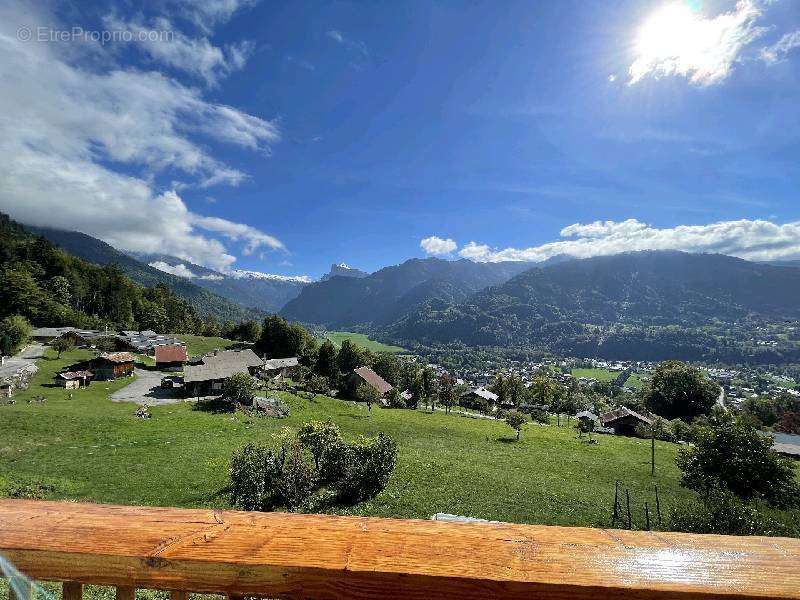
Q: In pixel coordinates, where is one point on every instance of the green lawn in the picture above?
(359, 339)
(198, 344)
(634, 381)
(90, 448)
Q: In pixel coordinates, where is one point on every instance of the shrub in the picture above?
(298, 477)
(239, 387)
(737, 458)
(368, 465)
(254, 472)
(721, 512)
(395, 400)
(319, 385)
(327, 447)
(540, 416)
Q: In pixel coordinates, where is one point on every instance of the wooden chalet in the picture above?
(205, 376)
(281, 367)
(112, 365)
(624, 421)
(478, 398)
(73, 380)
(371, 378)
(170, 356)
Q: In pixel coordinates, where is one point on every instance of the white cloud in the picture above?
(437, 246)
(340, 38)
(208, 13)
(180, 270)
(676, 40)
(778, 51)
(196, 56)
(80, 149)
(752, 240)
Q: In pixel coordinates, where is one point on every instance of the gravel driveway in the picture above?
(26, 358)
(146, 389)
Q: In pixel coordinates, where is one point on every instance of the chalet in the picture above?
(112, 365)
(370, 377)
(478, 398)
(281, 367)
(624, 420)
(205, 376)
(147, 342)
(73, 380)
(170, 356)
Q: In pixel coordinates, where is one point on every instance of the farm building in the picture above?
(281, 367)
(370, 377)
(170, 356)
(586, 417)
(624, 420)
(73, 380)
(205, 376)
(112, 365)
(147, 342)
(478, 398)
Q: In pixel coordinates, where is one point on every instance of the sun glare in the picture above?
(678, 40)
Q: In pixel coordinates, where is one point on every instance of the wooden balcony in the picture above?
(276, 555)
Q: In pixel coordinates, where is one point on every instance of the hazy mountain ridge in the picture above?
(391, 292)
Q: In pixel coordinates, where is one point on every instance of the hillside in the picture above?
(645, 305)
(50, 287)
(388, 294)
(99, 253)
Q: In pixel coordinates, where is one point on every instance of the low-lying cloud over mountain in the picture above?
(752, 240)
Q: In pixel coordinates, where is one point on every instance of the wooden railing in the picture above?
(276, 555)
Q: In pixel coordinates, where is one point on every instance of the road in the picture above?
(146, 389)
(28, 356)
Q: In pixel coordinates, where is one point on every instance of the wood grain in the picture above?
(312, 556)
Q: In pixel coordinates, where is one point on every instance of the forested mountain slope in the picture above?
(390, 293)
(97, 252)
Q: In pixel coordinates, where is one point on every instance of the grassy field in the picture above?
(197, 344)
(90, 448)
(359, 339)
(634, 381)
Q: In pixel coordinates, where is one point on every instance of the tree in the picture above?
(239, 387)
(789, 423)
(388, 366)
(447, 392)
(14, 332)
(326, 360)
(516, 420)
(430, 386)
(737, 458)
(677, 390)
(62, 344)
(500, 388)
(281, 339)
(350, 357)
(366, 393)
(543, 390)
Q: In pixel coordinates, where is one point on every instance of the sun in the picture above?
(672, 31)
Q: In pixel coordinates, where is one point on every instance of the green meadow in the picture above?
(359, 339)
(90, 448)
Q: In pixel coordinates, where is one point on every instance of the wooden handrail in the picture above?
(313, 556)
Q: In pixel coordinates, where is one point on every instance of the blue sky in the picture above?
(284, 136)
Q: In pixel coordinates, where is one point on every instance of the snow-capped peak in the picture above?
(242, 274)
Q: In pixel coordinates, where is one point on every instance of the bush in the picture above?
(737, 458)
(298, 477)
(540, 416)
(368, 467)
(239, 387)
(254, 472)
(395, 400)
(319, 385)
(289, 472)
(721, 512)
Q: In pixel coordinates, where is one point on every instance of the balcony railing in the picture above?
(276, 555)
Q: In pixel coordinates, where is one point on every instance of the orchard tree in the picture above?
(239, 387)
(677, 390)
(367, 393)
(62, 344)
(516, 420)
